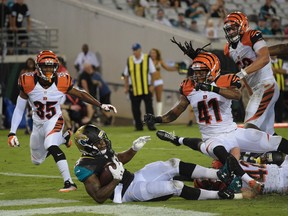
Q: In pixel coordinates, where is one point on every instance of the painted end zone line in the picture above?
(276, 125)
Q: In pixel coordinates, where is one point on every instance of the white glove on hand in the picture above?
(108, 108)
(242, 74)
(13, 140)
(118, 171)
(140, 142)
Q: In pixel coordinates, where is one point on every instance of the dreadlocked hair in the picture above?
(188, 48)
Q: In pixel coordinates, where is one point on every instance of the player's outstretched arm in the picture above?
(88, 98)
(171, 115)
(137, 144)
(278, 49)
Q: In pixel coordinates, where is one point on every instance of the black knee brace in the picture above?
(57, 153)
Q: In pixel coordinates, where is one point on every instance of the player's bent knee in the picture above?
(57, 153)
(36, 162)
(174, 162)
(178, 185)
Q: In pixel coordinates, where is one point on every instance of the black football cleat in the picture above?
(225, 174)
(68, 186)
(151, 127)
(235, 185)
(226, 194)
(166, 136)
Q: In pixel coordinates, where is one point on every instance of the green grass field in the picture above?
(27, 189)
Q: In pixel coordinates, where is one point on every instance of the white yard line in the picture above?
(24, 202)
(115, 210)
(31, 175)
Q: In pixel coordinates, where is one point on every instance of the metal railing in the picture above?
(22, 42)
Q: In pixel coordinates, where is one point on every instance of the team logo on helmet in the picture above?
(88, 137)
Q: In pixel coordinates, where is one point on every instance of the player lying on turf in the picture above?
(153, 182)
(273, 177)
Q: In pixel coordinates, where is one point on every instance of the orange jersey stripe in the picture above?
(227, 80)
(266, 98)
(58, 126)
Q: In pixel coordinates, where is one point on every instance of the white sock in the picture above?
(64, 170)
(207, 194)
(246, 178)
(203, 172)
(180, 140)
(159, 106)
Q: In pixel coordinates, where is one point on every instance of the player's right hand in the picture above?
(108, 108)
(13, 140)
(118, 171)
(140, 142)
(149, 119)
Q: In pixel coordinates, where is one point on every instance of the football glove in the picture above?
(207, 87)
(13, 140)
(242, 74)
(118, 172)
(150, 119)
(108, 108)
(182, 68)
(140, 142)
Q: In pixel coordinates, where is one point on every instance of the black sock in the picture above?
(192, 143)
(283, 146)
(186, 169)
(221, 153)
(190, 193)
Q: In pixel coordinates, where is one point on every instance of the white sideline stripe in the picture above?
(115, 210)
(31, 175)
(23, 202)
(162, 149)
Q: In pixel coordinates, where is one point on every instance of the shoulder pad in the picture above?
(27, 82)
(186, 87)
(63, 81)
(251, 37)
(226, 49)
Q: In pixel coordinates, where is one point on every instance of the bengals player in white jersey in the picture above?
(212, 108)
(44, 89)
(249, 51)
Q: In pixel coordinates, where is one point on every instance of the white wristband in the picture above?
(238, 196)
(244, 72)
